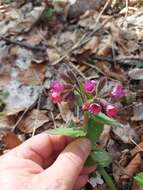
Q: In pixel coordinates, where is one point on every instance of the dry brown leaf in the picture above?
(10, 140)
(66, 113)
(19, 20)
(138, 112)
(126, 133)
(132, 167)
(92, 45)
(136, 74)
(81, 6)
(105, 135)
(137, 149)
(105, 47)
(33, 75)
(53, 55)
(119, 74)
(35, 119)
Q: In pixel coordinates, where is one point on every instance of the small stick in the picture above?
(124, 60)
(24, 45)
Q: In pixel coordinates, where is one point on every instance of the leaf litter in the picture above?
(91, 39)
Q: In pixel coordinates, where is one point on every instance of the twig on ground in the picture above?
(98, 70)
(77, 70)
(21, 117)
(22, 44)
(124, 61)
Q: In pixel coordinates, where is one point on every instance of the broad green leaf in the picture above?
(101, 157)
(72, 132)
(94, 130)
(139, 179)
(103, 119)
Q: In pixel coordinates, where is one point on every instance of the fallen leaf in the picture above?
(137, 149)
(126, 133)
(66, 113)
(10, 140)
(20, 96)
(81, 6)
(35, 119)
(92, 45)
(136, 74)
(105, 135)
(34, 75)
(15, 20)
(138, 112)
(53, 55)
(132, 167)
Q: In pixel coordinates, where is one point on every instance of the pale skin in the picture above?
(46, 162)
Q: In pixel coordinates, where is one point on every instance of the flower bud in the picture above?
(89, 86)
(111, 111)
(55, 97)
(95, 108)
(118, 91)
(56, 86)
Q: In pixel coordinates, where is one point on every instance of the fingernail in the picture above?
(85, 145)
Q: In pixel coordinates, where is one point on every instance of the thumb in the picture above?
(70, 162)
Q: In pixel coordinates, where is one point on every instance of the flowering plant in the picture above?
(98, 110)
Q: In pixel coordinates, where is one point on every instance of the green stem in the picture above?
(85, 121)
(107, 179)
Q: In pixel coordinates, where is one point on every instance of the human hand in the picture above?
(46, 162)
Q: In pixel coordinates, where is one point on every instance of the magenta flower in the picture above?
(56, 86)
(89, 86)
(118, 91)
(94, 108)
(111, 111)
(55, 97)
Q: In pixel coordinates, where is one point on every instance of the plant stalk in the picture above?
(107, 179)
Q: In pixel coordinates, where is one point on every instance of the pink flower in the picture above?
(56, 86)
(118, 91)
(95, 108)
(89, 86)
(111, 111)
(55, 97)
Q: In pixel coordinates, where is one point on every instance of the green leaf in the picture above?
(101, 157)
(103, 119)
(94, 130)
(89, 161)
(48, 13)
(79, 100)
(72, 132)
(139, 179)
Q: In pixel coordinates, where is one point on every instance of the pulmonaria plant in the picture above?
(97, 110)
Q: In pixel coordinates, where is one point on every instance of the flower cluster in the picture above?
(56, 89)
(91, 103)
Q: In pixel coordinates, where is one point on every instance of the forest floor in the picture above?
(39, 41)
